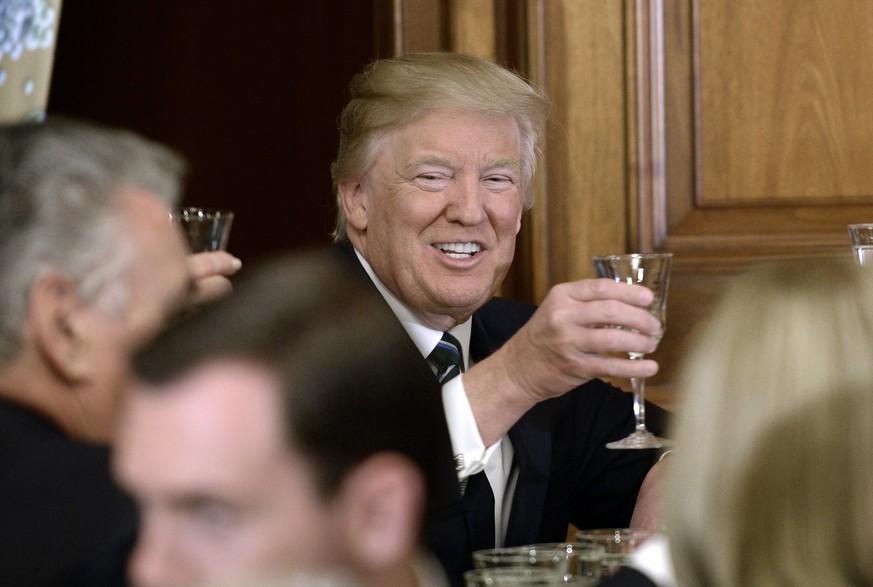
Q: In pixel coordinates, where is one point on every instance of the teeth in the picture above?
(459, 250)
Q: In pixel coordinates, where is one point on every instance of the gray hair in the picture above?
(60, 183)
(393, 92)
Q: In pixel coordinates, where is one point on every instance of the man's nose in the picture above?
(152, 562)
(465, 202)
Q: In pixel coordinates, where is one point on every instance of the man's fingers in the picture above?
(203, 265)
(586, 290)
(607, 366)
(615, 340)
(210, 289)
(210, 273)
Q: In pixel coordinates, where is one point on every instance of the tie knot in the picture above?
(447, 358)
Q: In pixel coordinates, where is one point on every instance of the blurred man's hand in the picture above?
(210, 273)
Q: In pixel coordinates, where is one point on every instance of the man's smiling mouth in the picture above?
(459, 250)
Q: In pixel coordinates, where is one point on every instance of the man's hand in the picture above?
(563, 345)
(210, 274)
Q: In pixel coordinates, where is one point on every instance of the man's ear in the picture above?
(382, 508)
(354, 202)
(54, 325)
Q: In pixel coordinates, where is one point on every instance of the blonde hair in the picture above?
(772, 479)
(393, 92)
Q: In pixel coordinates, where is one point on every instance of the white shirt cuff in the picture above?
(469, 449)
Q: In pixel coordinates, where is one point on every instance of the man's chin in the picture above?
(461, 308)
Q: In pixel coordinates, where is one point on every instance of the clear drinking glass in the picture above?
(584, 564)
(206, 229)
(571, 563)
(618, 544)
(554, 559)
(512, 577)
(651, 270)
(862, 242)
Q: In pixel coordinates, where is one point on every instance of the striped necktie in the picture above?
(447, 358)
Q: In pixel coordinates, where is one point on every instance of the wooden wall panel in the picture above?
(404, 26)
(586, 151)
(728, 191)
(584, 199)
(473, 27)
(785, 92)
(767, 139)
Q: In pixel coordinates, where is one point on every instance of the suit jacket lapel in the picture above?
(532, 446)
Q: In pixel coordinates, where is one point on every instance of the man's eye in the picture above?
(498, 182)
(433, 177)
(211, 515)
(432, 181)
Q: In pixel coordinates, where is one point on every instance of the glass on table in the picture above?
(618, 544)
(205, 229)
(584, 560)
(571, 563)
(512, 577)
(862, 242)
(554, 559)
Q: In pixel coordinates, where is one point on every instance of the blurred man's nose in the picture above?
(153, 563)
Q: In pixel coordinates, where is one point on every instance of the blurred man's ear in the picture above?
(54, 325)
(382, 507)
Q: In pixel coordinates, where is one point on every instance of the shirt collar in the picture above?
(423, 336)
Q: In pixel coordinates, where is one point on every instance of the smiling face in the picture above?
(437, 214)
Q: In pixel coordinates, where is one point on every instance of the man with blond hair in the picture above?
(435, 169)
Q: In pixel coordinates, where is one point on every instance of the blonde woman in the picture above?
(771, 482)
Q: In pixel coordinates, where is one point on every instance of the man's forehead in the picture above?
(218, 385)
(137, 199)
(218, 426)
(214, 407)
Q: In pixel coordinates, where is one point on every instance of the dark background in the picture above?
(249, 93)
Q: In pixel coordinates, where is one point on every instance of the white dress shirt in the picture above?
(495, 460)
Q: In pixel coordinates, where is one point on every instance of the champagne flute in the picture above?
(651, 270)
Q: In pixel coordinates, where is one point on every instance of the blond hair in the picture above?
(771, 480)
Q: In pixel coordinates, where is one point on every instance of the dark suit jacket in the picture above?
(565, 472)
(63, 522)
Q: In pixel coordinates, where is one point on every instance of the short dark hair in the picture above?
(352, 382)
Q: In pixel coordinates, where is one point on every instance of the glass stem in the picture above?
(638, 384)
